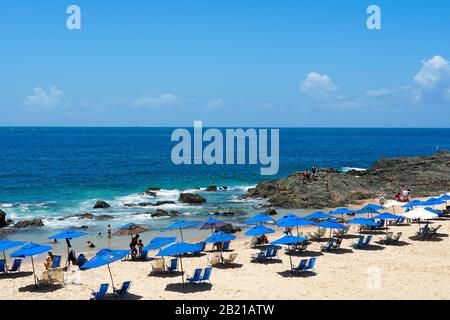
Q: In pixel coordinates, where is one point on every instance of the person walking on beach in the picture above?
(314, 169)
(109, 231)
(381, 200)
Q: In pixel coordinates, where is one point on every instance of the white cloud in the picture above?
(42, 98)
(434, 73)
(152, 101)
(214, 104)
(317, 84)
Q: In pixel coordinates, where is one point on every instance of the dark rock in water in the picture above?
(83, 227)
(211, 189)
(225, 188)
(103, 217)
(425, 176)
(29, 223)
(101, 205)
(130, 205)
(191, 198)
(161, 203)
(163, 213)
(144, 204)
(3, 222)
(84, 216)
(9, 222)
(152, 189)
(271, 212)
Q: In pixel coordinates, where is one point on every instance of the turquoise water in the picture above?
(53, 173)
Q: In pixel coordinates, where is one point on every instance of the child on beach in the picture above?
(140, 246)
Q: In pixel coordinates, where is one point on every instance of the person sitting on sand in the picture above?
(90, 244)
(48, 263)
(288, 231)
(81, 260)
(133, 244)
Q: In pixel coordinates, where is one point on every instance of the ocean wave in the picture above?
(63, 223)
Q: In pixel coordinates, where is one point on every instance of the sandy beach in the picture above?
(410, 270)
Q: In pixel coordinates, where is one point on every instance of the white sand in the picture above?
(415, 270)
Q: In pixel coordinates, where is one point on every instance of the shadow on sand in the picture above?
(229, 266)
(41, 289)
(305, 253)
(16, 275)
(189, 288)
(290, 274)
(162, 274)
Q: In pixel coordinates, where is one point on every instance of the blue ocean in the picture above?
(55, 173)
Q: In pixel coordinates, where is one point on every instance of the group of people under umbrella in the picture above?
(168, 246)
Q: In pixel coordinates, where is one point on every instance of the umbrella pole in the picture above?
(182, 272)
(290, 256)
(4, 256)
(34, 272)
(298, 233)
(112, 280)
(181, 232)
(68, 251)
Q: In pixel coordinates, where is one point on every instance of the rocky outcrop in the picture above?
(163, 213)
(29, 223)
(3, 222)
(101, 205)
(271, 212)
(191, 198)
(231, 212)
(211, 189)
(84, 216)
(147, 204)
(425, 176)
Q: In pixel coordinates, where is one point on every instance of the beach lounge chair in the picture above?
(159, 265)
(433, 230)
(3, 266)
(143, 256)
(274, 252)
(206, 275)
(226, 246)
(359, 243)
(101, 293)
(397, 237)
(262, 255)
(387, 239)
(215, 260)
(173, 265)
(337, 244)
(124, 288)
(16, 266)
(57, 277)
(56, 262)
(230, 259)
(196, 277)
(329, 246)
(367, 242)
(300, 266)
(305, 265)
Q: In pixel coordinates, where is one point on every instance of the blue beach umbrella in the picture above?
(363, 221)
(259, 230)
(319, 215)
(387, 216)
(432, 202)
(180, 225)
(413, 203)
(29, 250)
(8, 244)
(286, 218)
(159, 242)
(341, 211)
(367, 210)
(289, 240)
(259, 218)
(67, 234)
(178, 249)
(106, 257)
(220, 237)
(296, 222)
(374, 207)
(331, 224)
(212, 224)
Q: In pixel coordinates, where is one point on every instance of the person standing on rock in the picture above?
(314, 170)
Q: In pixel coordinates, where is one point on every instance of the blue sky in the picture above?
(229, 63)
